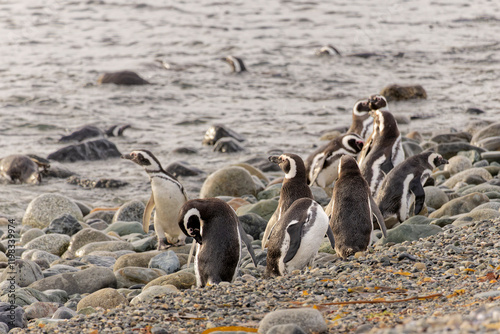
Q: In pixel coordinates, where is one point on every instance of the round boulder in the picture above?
(130, 212)
(229, 181)
(435, 197)
(55, 244)
(107, 298)
(26, 272)
(457, 164)
(47, 207)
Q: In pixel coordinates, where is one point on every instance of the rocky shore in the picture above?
(93, 270)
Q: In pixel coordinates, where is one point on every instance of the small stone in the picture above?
(181, 280)
(26, 272)
(129, 276)
(126, 78)
(65, 224)
(125, 228)
(264, 208)
(64, 313)
(148, 294)
(253, 224)
(457, 164)
(420, 266)
(285, 329)
(110, 246)
(40, 310)
(30, 235)
(8, 311)
(45, 208)
(406, 232)
(135, 260)
(308, 319)
(435, 197)
(85, 237)
(487, 294)
(55, 244)
(165, 261)
(460, 205)
(130, 212)
(491, 130)
(107, 298)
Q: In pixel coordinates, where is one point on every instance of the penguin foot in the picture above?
(163, 244)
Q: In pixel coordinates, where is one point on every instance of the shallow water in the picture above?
(51, 55)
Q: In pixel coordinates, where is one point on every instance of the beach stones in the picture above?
(166, 261)
(125, 228)
(460, 205)
(55, 244)
(457, 164)
(41, 310)
(218, 131)
(492, 130)
(182, 168)
(30, 235)
(24, 272)
(65, 224)
(63, 312)
(107, 298)
(308, 319)
(110, 246)
(476, 215)
(462, 176)
(181, 280)
(45, 208)
(264, 208)
(435, 197)
(99, 149)
(449, 150)
(150, 293)
(229, 181)
(452, 137)
(128, 276)
(408, 232)
(12, 315)
(398, 93)
(130, 212)
(253, 224)
(85, 237)
(135, 260)
(125, 78)
(84, 281)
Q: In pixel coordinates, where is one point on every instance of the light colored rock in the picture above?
(229, 181)
(409, 232)
(135, 260)
(460, 205)
(130, 212)
(435, 197)
(107, 298)
(110, 246)
(39, 254)
(125, 228)
(264, 208)
(166, 261)
(55, 244)
(64, 313)
(148, 294)
(128, 276)
(457, 164)
(25, 272)
(181, 280)
(86, 236)
(476, 215)
(462, 176)
(30, 235)
(41, 310)
(309, 319)
(45, 208)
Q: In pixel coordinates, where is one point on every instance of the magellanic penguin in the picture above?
(296, 238)
(294, 187)
(351, 209)
(403, 186)
(168, 195)
(328, 50)
(362, 122)
(21, 168)
(217, 231)
(322, 164)
(237, 65)
(383, 150)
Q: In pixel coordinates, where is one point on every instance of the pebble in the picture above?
(85, 237)
(45, 208)
(55, 244)
(129, 276)
(308, 319)
(150, 293)
(110, 246)
(131, 211)
(25, 272)
(107, 298)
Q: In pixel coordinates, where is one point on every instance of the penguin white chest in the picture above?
(169, 198)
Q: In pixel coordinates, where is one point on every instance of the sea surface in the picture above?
(52, 54)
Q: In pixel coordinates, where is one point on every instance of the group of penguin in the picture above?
(379, 184)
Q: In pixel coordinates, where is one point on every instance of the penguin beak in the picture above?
(126, 157)
(443, 161)
(275, 158)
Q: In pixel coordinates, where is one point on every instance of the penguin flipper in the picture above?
(387, 166)
(295, 232)
(244, 237)
(378, 215)
(365, 150)
(329, 208)
(329, 233)
(147, 213)
(417, 190)
(270, 225)
(317, 168)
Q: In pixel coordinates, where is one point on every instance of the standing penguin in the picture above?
(383, 150)
(352, 208)
(168, 195)
(322, 164)
(296, 238)
(294, 187)
(403, 186)
(216, 229)
(362, 122)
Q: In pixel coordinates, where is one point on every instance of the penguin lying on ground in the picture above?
(237, 65)
(294, 187)
(322, 164)
(351, 210)
(21, 168)
(296, 238)
(383, 150)
(403, 186)
(217, 230)
(362, 122)
(168, 195)
(90, 131)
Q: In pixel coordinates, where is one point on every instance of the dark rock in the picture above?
(98, 224)
(452, 137)
(398, 93)
(253, 224)
(449, 150)
(228, 145)
(182, 168)
(166, 261)
(93, 150)
(219, 131)
(8, 311)
(65, 224)
(91, 184)
(491, 156)
(474, 111)
(185, 150)
(474, 179)
(126, 78)
(83, 133)
(57, 172)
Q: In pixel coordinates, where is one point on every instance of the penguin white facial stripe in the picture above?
(376, 170)
(348, 148)
(431, 159)
(192, 212)
(236, 64)
(405, 202)
(293, 168)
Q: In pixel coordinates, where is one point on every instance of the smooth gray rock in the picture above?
(253, 224)
(125, 228)
(59, 269)
(99, 149)
(462, 176)
(45, 208)
(149, 294)
(135, 260)
(63, 312)
(165, 261)
(128, 276)
(487, 294)
(410, 149)
(39, 255)
(476, 215)
(264, 208)
(271, 191)
(105, 215)
(25, 296)
(408, 232)
(55, 244)
(85, 237)
(41, 310)
(24, 272)
(491, 130)
(460, 205)
(320, 195)
(7, 313)
(229, 181)
(100, 261)
(472, 155)
(107, 298)
(65, 224)
(457, 164)
(85, 281)
(145, 244)
(57, 296)
(493, 156)
(110, 246)
(435, 197)
(130, 212)
(452, 137)
(308, 319)
(417, 220)
(285, 329)
(482, 188)
(30, 235)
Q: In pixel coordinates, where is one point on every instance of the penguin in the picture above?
(322, 164)
(403, 185)
(168, 196)
(90, 131)
(383, 149)
(328, 50)
(294, 187)
(237, 65)
(21, 168)
(351, 209)
(362, 122)
(217, 231)
(296, 238)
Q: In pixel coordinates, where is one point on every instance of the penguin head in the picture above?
(291, 164)
(378, 102)
(348, 165)
(352, 142)
(361, 108)
(328, 50)
(144, 158)
(436, 160)
(236, 64)
(190, 222)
